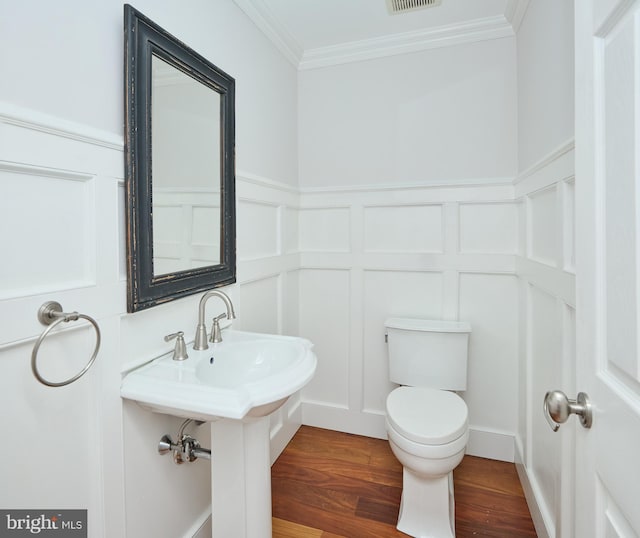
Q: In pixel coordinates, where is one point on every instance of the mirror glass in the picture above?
(179, 168)
(185, 133)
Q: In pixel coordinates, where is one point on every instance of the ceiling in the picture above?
(318, 33)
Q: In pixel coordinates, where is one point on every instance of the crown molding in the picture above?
(515, 12)
(391, 45)
(355, 51)
(271, 27)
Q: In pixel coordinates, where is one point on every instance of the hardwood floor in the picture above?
(328, 484)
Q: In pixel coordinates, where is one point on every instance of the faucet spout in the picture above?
(200, 341)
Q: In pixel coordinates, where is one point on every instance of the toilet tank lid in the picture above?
(429, 325)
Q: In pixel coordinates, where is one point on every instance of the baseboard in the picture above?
(329, 417)
(490, 444)
(482, 443)
(202, 527)
(529, 494)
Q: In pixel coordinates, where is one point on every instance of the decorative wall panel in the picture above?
(403, 229)
(58, 223)
(489, 228)
(257, 229)
(378, 259)
(259, 304)
(324, 230)
(489, 302)
(543, 227)
(392, 294)
(546, 348)
(325, 320)
(568, 227)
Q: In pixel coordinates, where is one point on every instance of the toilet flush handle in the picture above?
(557, 408)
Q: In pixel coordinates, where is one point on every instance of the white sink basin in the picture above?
(246, 375)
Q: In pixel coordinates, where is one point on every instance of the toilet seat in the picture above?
(426, 452)
(427, 416)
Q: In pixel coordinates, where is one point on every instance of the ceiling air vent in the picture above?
(402, 6)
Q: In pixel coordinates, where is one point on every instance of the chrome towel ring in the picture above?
(51, 314)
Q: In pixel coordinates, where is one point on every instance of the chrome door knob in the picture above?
(557, 408)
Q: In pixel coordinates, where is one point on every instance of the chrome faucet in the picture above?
(200, 341)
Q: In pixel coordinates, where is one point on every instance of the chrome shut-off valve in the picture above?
(557, 408)
(187, 449)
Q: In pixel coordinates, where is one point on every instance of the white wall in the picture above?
(545, 189)
(67, 61)
(381, 233)
(410, 118)
(61, 175)
(545, 80)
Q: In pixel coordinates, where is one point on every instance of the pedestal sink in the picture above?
(234, 385)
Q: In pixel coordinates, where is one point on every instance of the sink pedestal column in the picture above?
(241, 478)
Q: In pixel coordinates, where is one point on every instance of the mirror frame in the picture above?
(143, 39)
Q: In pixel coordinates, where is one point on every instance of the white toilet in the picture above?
(426, 423)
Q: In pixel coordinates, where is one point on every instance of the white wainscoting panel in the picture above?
(489, 228)
(567, 494)
(325, 320)
(387, 294)
(569, 232)
(395, 251)
(291, 303)
(258, 234)
(46, 416)
(547, 332)
(403, 228)
(324, 230)
(52, 239)
(546, 356)
(60, 190)
(489, 302)
(543, 226)
(267, 293)
(259, 302)
(69, 245)
(290, 233)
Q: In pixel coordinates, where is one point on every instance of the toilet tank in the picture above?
(428, 353)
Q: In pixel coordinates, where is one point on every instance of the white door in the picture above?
(608, 264)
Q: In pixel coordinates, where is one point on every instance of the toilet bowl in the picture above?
(428, 433)
(427, 424)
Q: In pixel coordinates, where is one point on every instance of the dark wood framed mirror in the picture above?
(179, 167)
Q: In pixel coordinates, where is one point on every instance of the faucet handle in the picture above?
(180, 351)
(216, 334)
